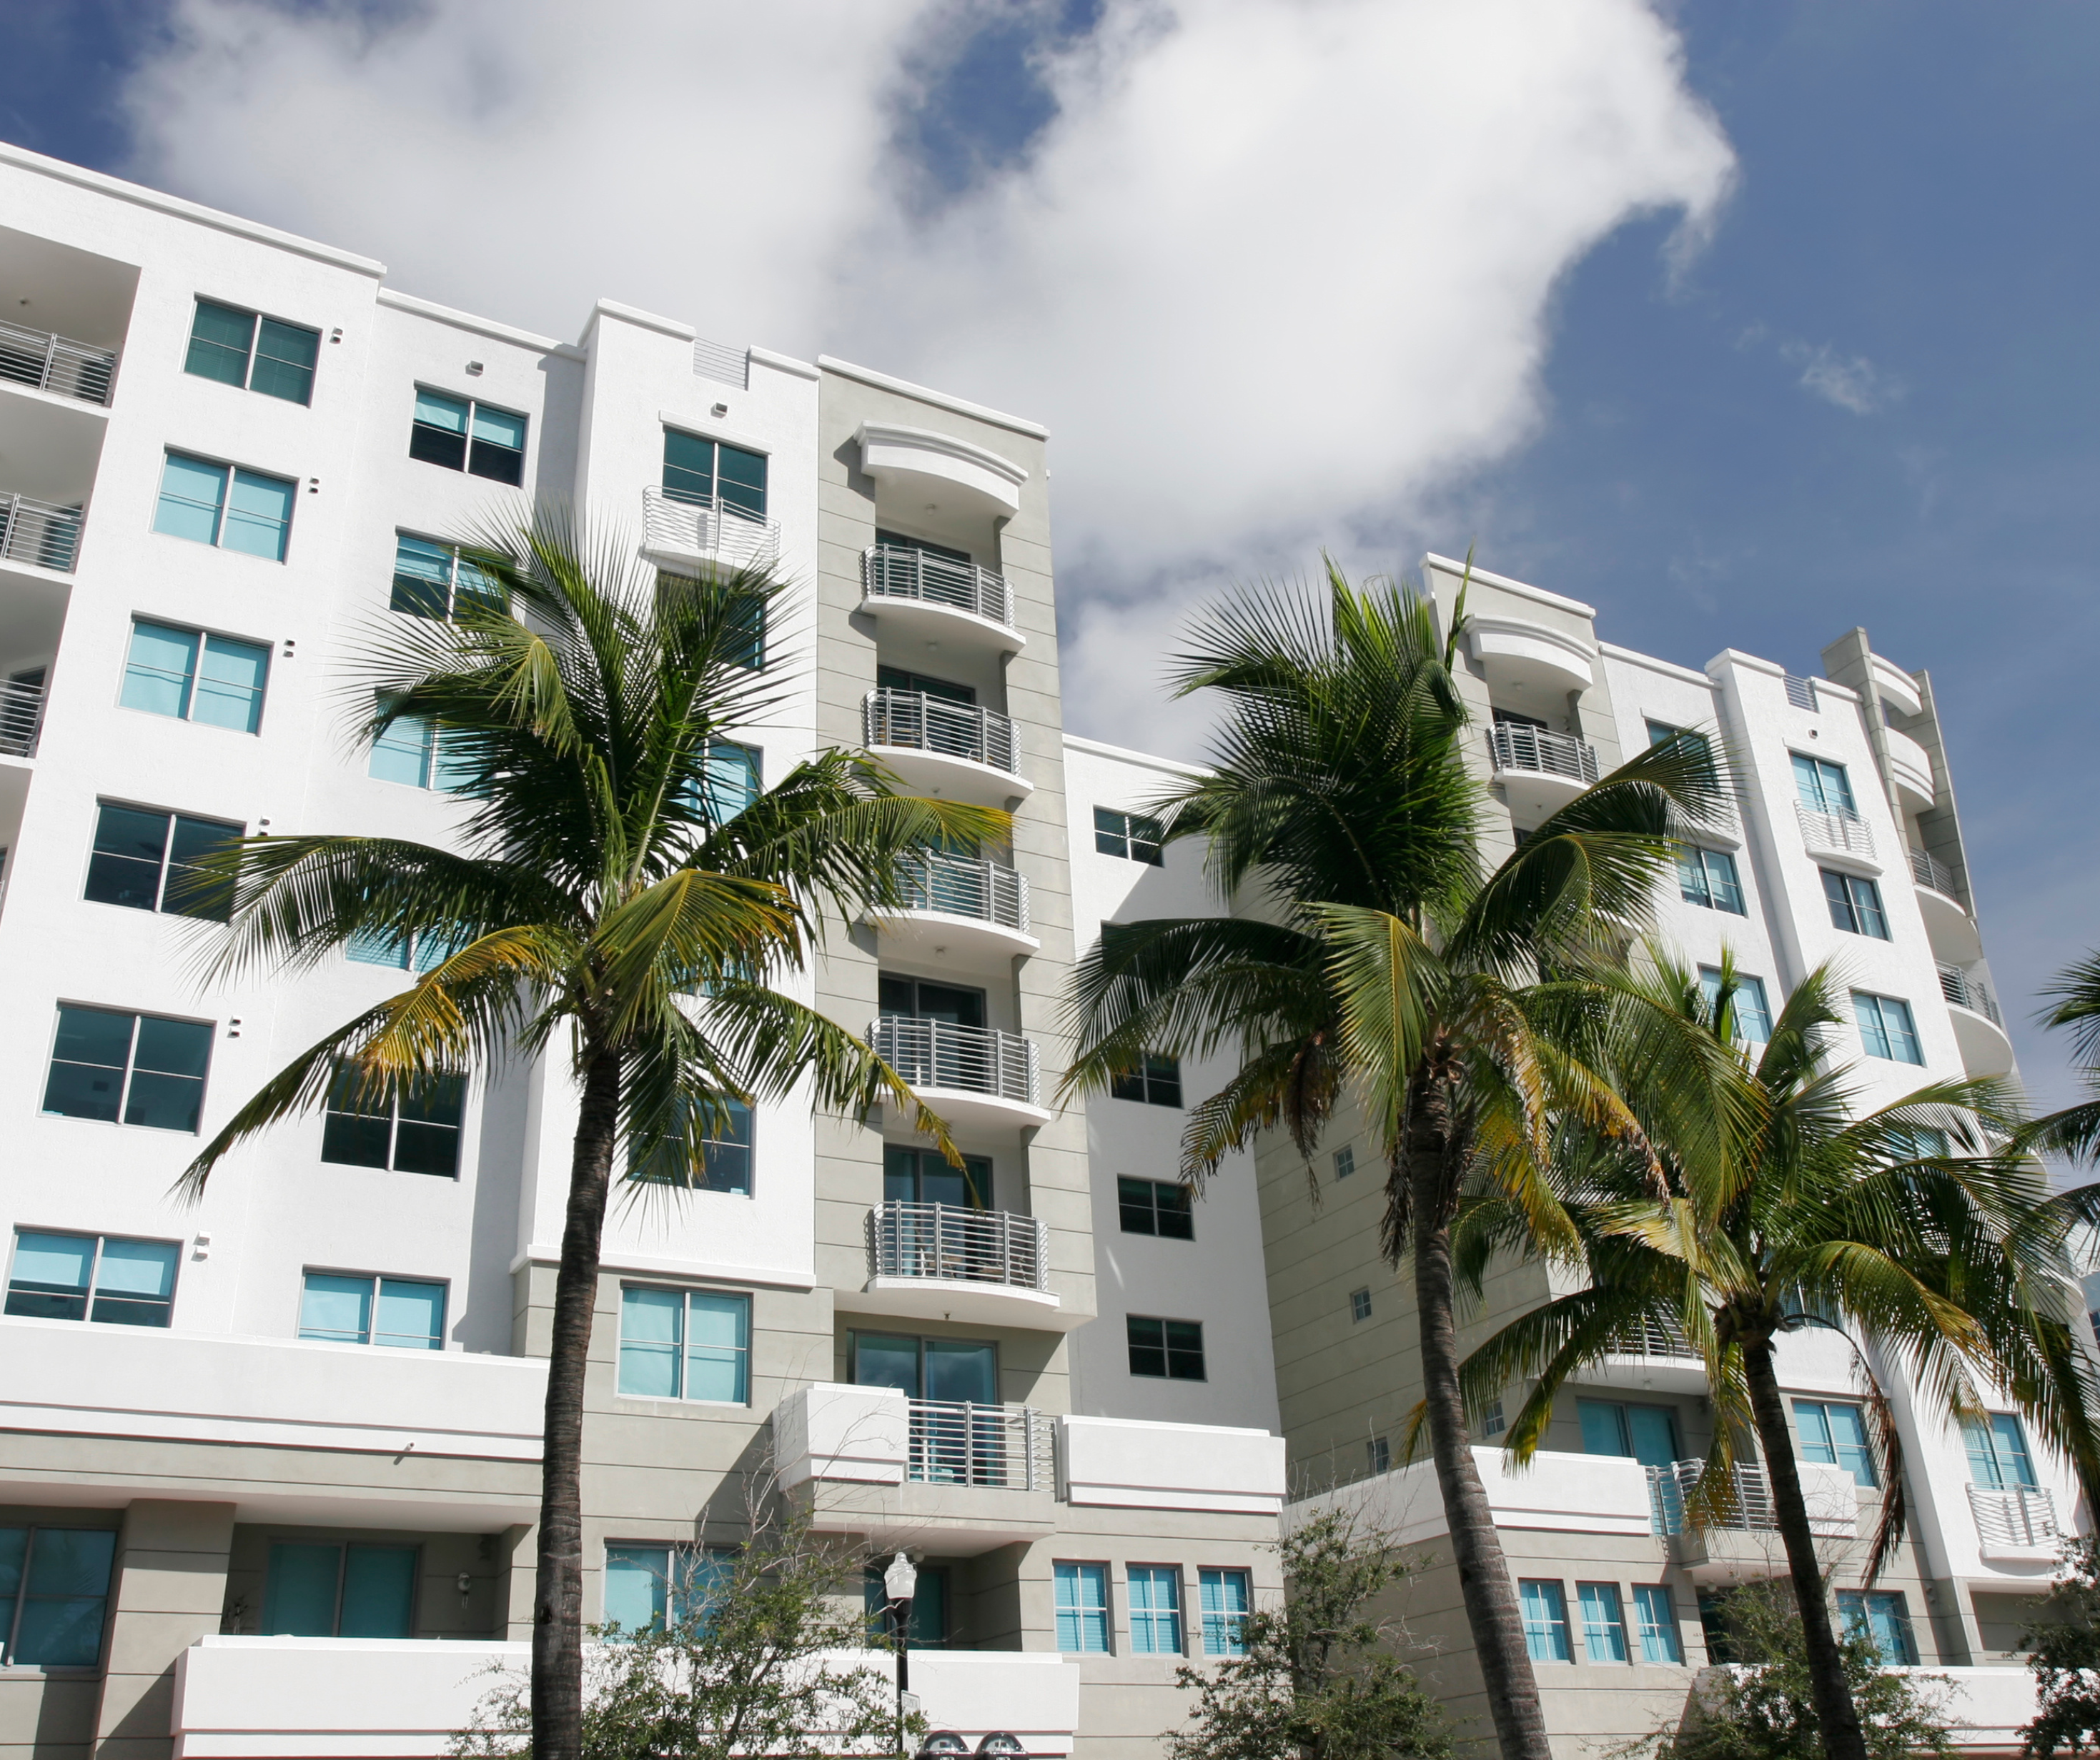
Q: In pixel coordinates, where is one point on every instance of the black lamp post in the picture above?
(900, 1582)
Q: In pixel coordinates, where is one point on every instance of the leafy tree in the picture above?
(1903, 1230)
(614, 904)
(1381, 956)
(1318, 1679)
(2063, 1650)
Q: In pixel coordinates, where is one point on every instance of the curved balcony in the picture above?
(681, 532)
(1656, 1357)
(2015, 1525)
(1910, 765)
(957, 909)
(933, 1261)
(40, 533)
(1953, 931)
(1987, 1049)
(955, 750)
(57, 364)
(1836, 833)
(1539, 771)
(935, 598)
(1744, 1541)
(973, 1076)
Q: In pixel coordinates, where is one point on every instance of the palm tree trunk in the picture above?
(1484, 1577)
(1843, 1737)
(558, 1598)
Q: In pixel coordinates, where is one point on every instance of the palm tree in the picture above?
(1341, 806)
(1904, 1229)
(615, 904)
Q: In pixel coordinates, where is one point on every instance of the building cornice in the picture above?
(925, 394)
(1430, 560)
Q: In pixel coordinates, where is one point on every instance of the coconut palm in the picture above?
(1903, 1229)
(2075, 1131)
(615, 902)
(1340, 811)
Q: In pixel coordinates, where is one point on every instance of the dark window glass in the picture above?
(54, 1595)
(916, 999)
(498, 452)
(221, 339)
(1156, 1081)
(1708, 876)
(930, 1607)
(150, 861)
(144, 1069)
(1132, 836)
(463, 435)
(417, 1132)
(696, 470)
(1168, 1350)
(1855, 904)
(285, 356)
(438, 434)
(897, 541)
(265, 355)
(431, 580)
(725, 1156)
(1155, 1206)
(325, 1589)
(923, 1175)
(900, 679)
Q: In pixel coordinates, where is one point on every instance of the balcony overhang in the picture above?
(970, 1109)
(1534, 794)
(939, 935)
(950, 474)
(1986, 1048)
(1669, 1374)
(969, 1301)
(929, 620)
(1530, 655)
(951, 778)
(1952, 930)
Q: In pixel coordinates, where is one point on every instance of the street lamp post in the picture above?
(900, 1582)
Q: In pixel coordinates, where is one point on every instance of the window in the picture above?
(409, 952)
(417, 754)
(954, 1370)
(1647, 1433)
(195, 677)
(1493, 1424)
(701, 470)
(107, 1278)
(1920, 1142)
(930, 1607)
(918, 683)
(1885, 1027)
(54, 1594)
(1883, 1617)
(1836, 1435)
(1082, 1608)
(1359, 1304)
(916, 999)
(1657, 1615)
(1345, 1162)
(649, 1587)
(1855, 904)
(1708, 876)
(1156, 1081)
(143, 1069)
(690, 1344)
(1544, 1621)
(337, 1589)
(1750, 1016)
(432, 580)
(463, 435)
(1378, 1455)
(1155, 1609)
(1170, 1348)
(1998, 1456)
(1603, 1621)
(923, 1175)
(730, 780)
(1824, 787)
(416, 1130)
(724, 1154)
(221, 504)
(1227, 1598)
(264, 354)
(149, 861)
(1132, 836)
(343, 1309)
(1155, 1206)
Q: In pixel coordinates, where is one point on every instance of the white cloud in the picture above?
(1278, 269)
(1856, 384)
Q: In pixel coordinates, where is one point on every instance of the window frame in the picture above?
(1345, 1162)
(137, 1018)
(1841, 897)
(714, 497)
(430, 756)
(256, 319)
(331, 1112)
(681, 1346)
(203, 639)
(1614, 1628)
(1130, 1200)
(1122, 838)
(1552, 1633)
(12, 1611)
(1908, 1018)
(224, 511)
(1830, 1444)
(373, 1339)
(1081, 1613)
(1224, 1628)
(1167, 1351)
(675, 1594)
(1155, 1618)
(453, 589)
(343, 1548)
(92, 1290)
(1667, 1630)
(1849, 806)
(172, 817)
(1156, 1075)
(1708, 894)
(1855, 1610)
(671, 1165)
(470, 443)
(2022, 1459)
(1746, 985)
(1359, 1304)
(1378, 1455)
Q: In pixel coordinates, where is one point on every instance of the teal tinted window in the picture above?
(463, 435)
(336, 1310)
(402, 1313)
(143, 1069)
(1751, 1017)
(1855, 904)
(1658, 1615)
(1998, 1457)
(416, 1131)
(1545, 1607)
(685, 1344)
(284, 357)
(192, 497)
(1603, 1622)
(221, 339)
(265, 355)
(230, 676)
(259, 515)
(647, 1586)
(1228, 1598)
(211, 503)
(1082, 1608)
(54, 1595)
(699, 470)
(1882, 1618)
(731, 779)
(930, 1607)
(149, 861)
(1887, 1029)
(1707, 878)
(110, 1279)
(1836, 1435)
(327, 1589)
(1155, 1610)
(1824, 787)
(194, 677)
(160, 669)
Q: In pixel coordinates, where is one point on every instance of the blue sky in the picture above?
(1867, 400)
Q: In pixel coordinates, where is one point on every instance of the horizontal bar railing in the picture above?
(934, 724)
(964, 885)
(957, 1245)
(709, 529)
(1517, 746)
(959, 1442)
(2014, 1515)
(1670, 1489)
(1654, 1337)
(1965, 991)
(56, 363)
(1842, 831)
(932, 1053)
(1930, 872)
(21, 717)
(41, 533)
(899, 571)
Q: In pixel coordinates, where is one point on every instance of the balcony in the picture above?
(44, 535)
(973, 1076)
(935, 598)
(21, 718)
(1835, 833)
(1137, 1463)
(1979, 1028)
(1656, 1357)
(1910, 766)
(681, 532)
(1539, 771)
(1744, 1541)
(932, 1261)
(56, 364)
(1952, 930)
(957, 910)
(2015, 1525)
(955, 749)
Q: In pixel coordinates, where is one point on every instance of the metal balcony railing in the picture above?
(1656, 1338)
(1670, 1488)
(935, 724)
(40, 533)
(1931, 873)
(931, 1054)
(1517, 747)
(55, 363)
(707, 529)
(956, 1442)
(2014, 1515)
(964, 885)
(898, 571)
(948, 1242)
(1965, 991)
(1800, 692)
(1846, 832)
(21, 717)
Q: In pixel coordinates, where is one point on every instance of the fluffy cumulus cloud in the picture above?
(1274, 271)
